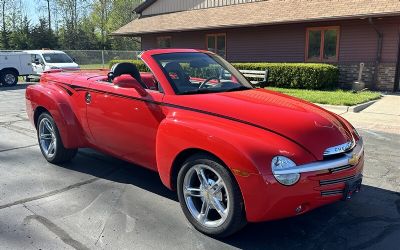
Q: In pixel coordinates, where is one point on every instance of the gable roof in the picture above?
(260, 13)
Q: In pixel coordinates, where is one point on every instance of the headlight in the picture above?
(356, 132)
(282, 162)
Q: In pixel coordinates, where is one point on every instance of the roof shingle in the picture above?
(261, 13)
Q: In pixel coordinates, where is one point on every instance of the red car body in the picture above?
(244, 129)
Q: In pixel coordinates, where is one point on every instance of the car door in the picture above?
(124, 123)
(37, 63)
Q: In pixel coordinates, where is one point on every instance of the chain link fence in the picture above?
(93, 59)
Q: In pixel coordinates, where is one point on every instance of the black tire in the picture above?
(61, 154)
(235, 219)
(8, 78)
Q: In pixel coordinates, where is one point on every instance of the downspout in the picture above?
(378, 52)
(397, 74)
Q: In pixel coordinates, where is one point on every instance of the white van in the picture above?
(43, 60)
(12, 65)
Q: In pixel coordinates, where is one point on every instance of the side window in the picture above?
(36, 58)
(164, 42)
(216, 43)
(322, 44)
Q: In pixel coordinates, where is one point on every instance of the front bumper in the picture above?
(321, 183)
(347, 159)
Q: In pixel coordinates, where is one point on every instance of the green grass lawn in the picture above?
(333, 97)
(93, 66)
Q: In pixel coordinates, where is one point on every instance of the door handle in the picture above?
(88, 97)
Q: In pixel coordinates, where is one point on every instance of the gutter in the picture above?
(245, 25)
(397, 74)
(378, 52)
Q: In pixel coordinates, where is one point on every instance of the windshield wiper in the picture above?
(238, 88)
(200, 91)
(212, 90)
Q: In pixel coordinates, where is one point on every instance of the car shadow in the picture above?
(371, 219)
(117, 170)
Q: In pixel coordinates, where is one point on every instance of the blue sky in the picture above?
(32, 8)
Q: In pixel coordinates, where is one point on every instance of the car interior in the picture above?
(126, 75)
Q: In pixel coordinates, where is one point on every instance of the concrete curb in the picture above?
(344, 109)
(360, 107)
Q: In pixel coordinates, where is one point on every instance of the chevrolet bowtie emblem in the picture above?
(354, 159)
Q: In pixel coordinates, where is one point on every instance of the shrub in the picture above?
(284, 75)
(297, 75)
(139, 64)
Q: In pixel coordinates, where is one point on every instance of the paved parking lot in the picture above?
(97, 201)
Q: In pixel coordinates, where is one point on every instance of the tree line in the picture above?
(66, 24)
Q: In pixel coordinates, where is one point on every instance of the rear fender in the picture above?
(57, 103)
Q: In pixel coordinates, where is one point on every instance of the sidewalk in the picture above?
(383, 115)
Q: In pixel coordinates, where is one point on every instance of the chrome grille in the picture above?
(341, 168)
(331, 192)
(335, 181)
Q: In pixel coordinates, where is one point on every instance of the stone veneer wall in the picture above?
(386, 75)
(385, 78)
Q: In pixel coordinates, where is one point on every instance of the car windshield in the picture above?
(57, 58)
(196, 72)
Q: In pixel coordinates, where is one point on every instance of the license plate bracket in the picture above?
(351, 187)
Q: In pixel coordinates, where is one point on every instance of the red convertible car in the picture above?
(234, 153)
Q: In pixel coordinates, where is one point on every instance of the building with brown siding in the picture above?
(341, 32)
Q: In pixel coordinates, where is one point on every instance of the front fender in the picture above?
(245, 150)
(57, 102)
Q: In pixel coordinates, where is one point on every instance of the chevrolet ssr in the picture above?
(234, 153)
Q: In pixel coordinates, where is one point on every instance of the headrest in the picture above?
(125, 68)
(173, 67)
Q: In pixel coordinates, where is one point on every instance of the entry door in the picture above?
(123, 123)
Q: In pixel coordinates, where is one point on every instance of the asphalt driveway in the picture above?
(97, 201)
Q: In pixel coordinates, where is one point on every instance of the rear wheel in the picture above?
(209, 196)
(8, 78)
(50, 141)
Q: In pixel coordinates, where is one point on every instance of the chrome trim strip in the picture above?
(348, 158)
(339, 148)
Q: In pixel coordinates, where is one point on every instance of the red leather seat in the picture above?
(149, 80)
(127, 81)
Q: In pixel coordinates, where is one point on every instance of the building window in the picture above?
(322, 44)
(216, 43)
(164, 42)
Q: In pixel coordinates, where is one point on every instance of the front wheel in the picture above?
(209, 196)
(50, 141)
(8, 78)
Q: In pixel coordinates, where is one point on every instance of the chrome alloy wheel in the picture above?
(206, 195)
(47, 137)
(9, 79)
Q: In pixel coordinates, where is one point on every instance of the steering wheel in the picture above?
(207, 80)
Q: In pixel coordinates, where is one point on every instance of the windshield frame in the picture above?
(243, 83)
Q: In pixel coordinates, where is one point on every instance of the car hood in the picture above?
(63, 65)
(307, 124)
